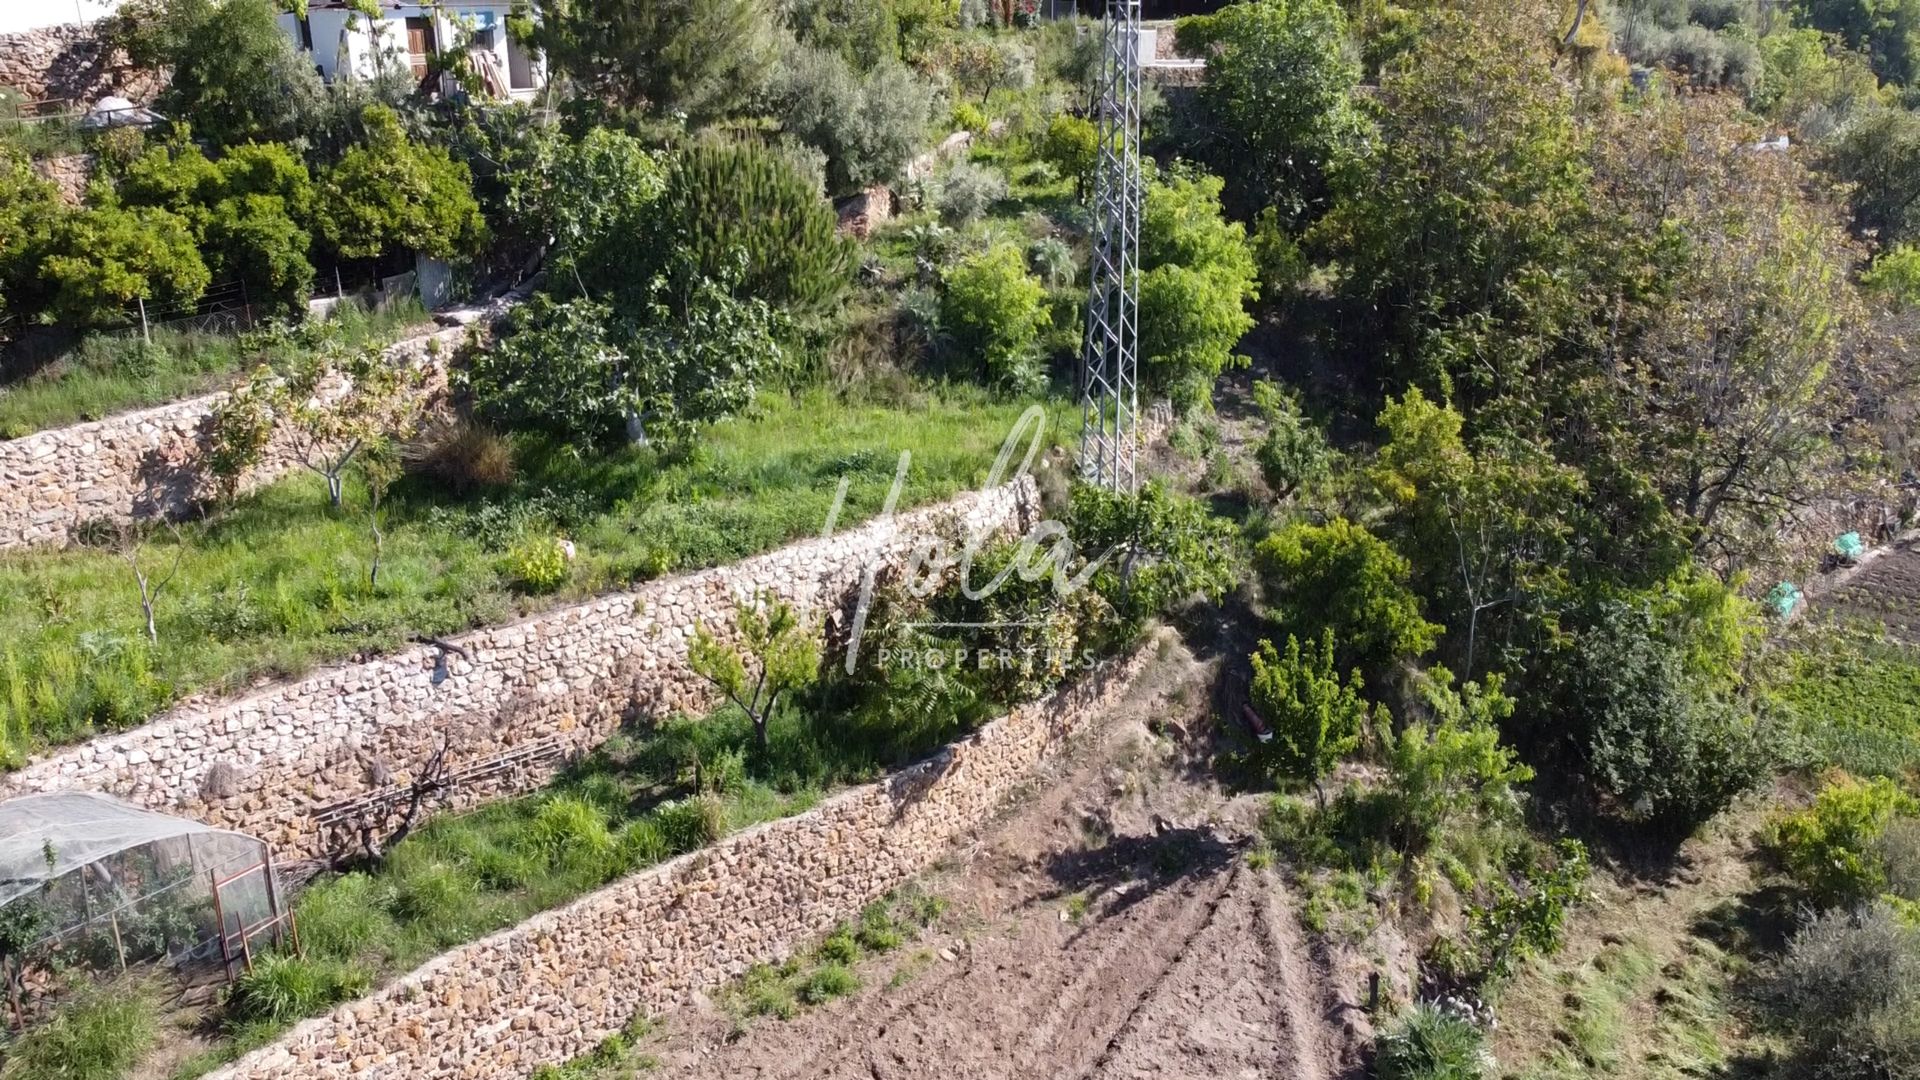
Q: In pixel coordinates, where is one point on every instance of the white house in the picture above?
(343, 41)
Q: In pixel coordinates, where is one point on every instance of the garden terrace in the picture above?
(280, 582)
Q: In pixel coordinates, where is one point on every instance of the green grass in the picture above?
(97, 1036)
(104, 375)
(1855, 699)
(1623, 1013)
(279, 583)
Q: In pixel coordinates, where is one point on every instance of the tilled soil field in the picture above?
(1108, 925)
(1883, 590)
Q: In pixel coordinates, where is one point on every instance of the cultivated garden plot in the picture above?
(1493, 355)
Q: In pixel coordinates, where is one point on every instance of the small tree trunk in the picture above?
(336, 484)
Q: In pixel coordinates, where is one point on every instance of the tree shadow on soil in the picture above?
(1133, 868)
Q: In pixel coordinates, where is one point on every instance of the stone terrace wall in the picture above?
(265, 762)
(72, 62)
(553, 987)
(137, 465)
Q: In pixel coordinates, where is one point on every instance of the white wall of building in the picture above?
(347, 42)
(20, 15)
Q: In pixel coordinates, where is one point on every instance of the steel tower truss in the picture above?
(1109, 375)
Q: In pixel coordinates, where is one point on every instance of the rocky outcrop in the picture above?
(861, 214)
(509, 702)
(555, 986)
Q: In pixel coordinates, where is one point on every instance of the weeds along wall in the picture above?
(507, 701)
(554, 986)
(145, 464)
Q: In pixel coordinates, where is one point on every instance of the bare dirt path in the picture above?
(1108, 925)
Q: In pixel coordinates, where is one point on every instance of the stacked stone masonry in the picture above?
(145, 464)
(73, 63)
(555, 986)
(264, 763)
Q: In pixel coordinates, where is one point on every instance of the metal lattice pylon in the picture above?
(1109, 369)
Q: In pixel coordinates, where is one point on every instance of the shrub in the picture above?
(538, 564)
(596, 197)
(969, 117)
(1315, 717)
(741, 214)
(281, 988)
(100, 1035)
(1849, 989)
(1163, 548)
(104, 258)
(1833, 848)
(1342, 578)
(1657, 743)
(560, 368)
(1295, 454)
(968, 191)
(839, 947)
(1450, 775)
(462, 457)
(878, 931)
(1896, 275)
(1430, 1043)
(691, 824)
(826, 982)
(1052, 259)
(995, 310)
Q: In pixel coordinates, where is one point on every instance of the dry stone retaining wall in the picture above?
(264, 763)
(553, 987)
(72, 62)
(140, 465)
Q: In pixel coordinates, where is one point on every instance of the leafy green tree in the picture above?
(1887, 30)
(1451, 771)
(1315, 717)
(1279, 93)
(864, 33)
(729, 201)
(1197, 278)
(233, 71)
(594, 200)
(1810, 80)
(582, 374)
(1456, 224)
(868, 125)
(695, 59)
(107, 257)
(558, 367)
(776, 654)
(30, 215)
(995, 310)
(391, 193)
(333, 406)
(1879, 153)
(1072, 145)
(1342, 579)
(245, 210)
(1490, 532)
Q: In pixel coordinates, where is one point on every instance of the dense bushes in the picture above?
(1659, 745)
(1848, 990)
(1838, 849)
(393, 193)
(1314, 716)
(1338, 577)
(994, 310)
